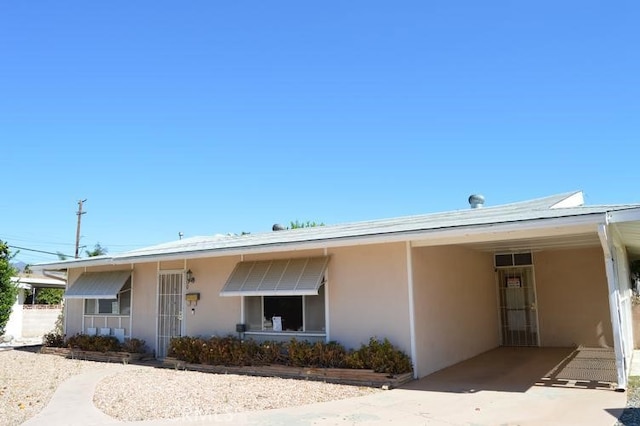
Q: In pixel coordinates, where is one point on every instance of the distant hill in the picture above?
(19, 265)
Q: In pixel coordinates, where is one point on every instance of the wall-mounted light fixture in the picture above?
(190, 278)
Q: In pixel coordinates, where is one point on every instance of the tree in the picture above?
(98, 250)
(307, 224)
(61, 256)
(49, 296)
(8, 290)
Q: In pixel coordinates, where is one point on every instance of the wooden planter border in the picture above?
(348, 376)
(124, 357)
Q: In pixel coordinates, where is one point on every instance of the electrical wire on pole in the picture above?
(79, 213)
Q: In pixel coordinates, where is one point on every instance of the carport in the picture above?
(553, 282)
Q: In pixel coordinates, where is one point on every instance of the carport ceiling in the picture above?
(539, 243)
(629, 233)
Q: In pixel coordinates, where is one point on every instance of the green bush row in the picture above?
(379, 356)
(85, 342)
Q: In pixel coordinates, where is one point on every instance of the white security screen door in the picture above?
(169, 309)
(518, 318)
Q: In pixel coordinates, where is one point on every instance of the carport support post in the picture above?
(614, 308)
(412, 315)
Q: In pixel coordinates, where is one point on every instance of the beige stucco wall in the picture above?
(368, 295)
(573, 303)
(213, 315)
(455, 305)
(144, 298)
(73, 308)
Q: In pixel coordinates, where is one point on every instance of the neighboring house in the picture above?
(442, 287)
(33, 321)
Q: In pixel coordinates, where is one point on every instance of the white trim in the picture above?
(304, 316)
(574, 200)
(498, 306)
(629, 215)
(412, 316)
(242, 313)
(156, 307)
(131, 305)
(535, 297)
(183, 304)
(284, 333)
(613, 304)
(327, 322)
(270, 293)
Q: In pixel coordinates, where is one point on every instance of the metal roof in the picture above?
(561, 206)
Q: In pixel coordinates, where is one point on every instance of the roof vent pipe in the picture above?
(476, 201)
(278, 227)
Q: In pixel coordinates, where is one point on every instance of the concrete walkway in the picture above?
(500, 392)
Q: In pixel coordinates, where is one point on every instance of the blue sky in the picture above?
(207, 117)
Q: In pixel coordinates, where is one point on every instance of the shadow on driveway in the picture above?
(510, 369)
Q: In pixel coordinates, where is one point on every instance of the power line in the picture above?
(38, 251)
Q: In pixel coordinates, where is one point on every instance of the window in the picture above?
(513, 259)
(296, 313)
(119, 306)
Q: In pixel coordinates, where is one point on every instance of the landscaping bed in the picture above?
(347, 376)
(96, 348)
(109, 356)
(377, 364)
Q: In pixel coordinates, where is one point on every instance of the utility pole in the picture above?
(79, 213)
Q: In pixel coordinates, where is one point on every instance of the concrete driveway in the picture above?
(505, 386)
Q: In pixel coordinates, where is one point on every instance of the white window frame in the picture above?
(124, 289)
(263, 331)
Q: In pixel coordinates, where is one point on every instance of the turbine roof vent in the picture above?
(476, 201)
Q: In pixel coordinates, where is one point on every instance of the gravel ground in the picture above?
(151, 393)
(631, 415)
(28, 379)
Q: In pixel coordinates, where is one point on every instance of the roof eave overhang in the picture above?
(628, 215)
(568, 225)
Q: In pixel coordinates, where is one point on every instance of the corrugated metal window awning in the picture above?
(282, 277)
(98, 285)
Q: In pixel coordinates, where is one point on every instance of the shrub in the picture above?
(300, 354)
(8, 290)
(186, 348)
(94, 343)
(134, 346)
(271, 352)
(53, 340)
(381, 357)
(330, 355)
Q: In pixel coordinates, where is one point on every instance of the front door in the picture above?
(169, 309)
(518, 317)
